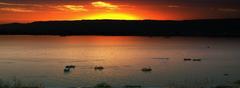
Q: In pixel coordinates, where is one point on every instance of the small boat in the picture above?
(70, 66)
(147, 69)
(187, 59)
(197, 59)
(98, 67)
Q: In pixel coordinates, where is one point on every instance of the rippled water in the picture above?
(41, 59)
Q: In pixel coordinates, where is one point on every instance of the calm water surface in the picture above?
(41, 59)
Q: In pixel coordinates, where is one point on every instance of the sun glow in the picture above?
(112, 16)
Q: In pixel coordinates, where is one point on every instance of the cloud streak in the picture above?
(11, 4)
(15, 7)
(16, 4)
(75, 8)
(15, 10)
(101, 4)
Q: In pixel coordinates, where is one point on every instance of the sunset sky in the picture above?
(43, 10)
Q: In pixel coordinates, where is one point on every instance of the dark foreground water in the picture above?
(41, 59)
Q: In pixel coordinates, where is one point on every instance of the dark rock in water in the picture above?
(197, 59)
(208, 47)
(192, 59)
(102, 85)
(133, 86)
(147, 69)
(226, 74)
(70, 66)
(98, 67)
(187, 59)
(67, 69)
(161, 58)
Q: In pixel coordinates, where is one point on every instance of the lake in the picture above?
(41, 59)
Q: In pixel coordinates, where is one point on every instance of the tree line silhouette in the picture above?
(208, 27)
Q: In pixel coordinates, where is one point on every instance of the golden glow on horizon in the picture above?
(112, 16)
(87, 10)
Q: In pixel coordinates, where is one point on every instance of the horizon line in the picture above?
(117, 20)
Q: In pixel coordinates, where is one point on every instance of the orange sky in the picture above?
(77, 12)
(28, 11)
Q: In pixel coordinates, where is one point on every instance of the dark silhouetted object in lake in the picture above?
(214, 27)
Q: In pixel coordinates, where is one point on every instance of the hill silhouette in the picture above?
(213, 27)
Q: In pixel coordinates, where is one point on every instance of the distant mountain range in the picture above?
(208, 28)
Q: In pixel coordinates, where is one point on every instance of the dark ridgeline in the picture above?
(214, 27)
